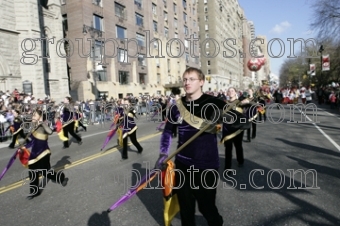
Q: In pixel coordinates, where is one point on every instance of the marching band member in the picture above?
(252, 129)
(16, 128)
(77, 119)
(201, 153)
(68, 122)
(234, 135)
(129, 129)
(39, 158)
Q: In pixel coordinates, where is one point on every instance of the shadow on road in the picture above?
(310, 147)
(101, 219)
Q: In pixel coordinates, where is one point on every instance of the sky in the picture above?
(281, 19)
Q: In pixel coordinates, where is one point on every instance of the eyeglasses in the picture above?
(190, 80)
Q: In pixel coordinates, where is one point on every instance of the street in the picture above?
(268, 190)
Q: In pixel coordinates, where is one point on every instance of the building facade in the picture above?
(221, 43)
(25, 61)
(139, 46)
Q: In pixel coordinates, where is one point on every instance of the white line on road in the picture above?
(322, 132)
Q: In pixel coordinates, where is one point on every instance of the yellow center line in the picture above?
(76, 163)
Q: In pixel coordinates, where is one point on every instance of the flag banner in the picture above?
(325, 63)
(312, 69)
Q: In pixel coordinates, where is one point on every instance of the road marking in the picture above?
(78, 162)
(322, 132)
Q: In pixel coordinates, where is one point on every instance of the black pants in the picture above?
(205, 198)
(174, 130)
(133, 139)
(80, 124)
(70, 129)
(15, 136)
(237, 141)
(253, 131)
(43, 167)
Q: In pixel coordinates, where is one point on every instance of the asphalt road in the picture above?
(264, 192)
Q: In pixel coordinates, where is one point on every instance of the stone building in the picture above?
(128, 47)
(22, 44)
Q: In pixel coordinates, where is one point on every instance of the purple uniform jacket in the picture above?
(202, 153)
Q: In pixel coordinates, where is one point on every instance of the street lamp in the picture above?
(94, 33)
(321, 49)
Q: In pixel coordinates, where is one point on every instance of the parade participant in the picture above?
(252, 129)
(16, 128)
(68, 122)
(128, 116)
(77, 118)
(234, 136)
(176, 92)
(201, 153)
(39, 159)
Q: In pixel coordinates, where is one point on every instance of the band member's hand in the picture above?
(245, 101)
(159, 163)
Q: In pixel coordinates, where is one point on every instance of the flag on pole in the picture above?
(312, 69)
(325, 63)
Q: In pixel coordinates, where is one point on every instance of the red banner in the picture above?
(325, 63)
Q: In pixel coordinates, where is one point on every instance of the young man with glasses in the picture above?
(200, 158)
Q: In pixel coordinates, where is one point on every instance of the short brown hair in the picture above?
(200, 74)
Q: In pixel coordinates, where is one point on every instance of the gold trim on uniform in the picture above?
(43, 154)
(131, 131)
(234, 134)
(200, 122)
(17, 131)
(40, 136)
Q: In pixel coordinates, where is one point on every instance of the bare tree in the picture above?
(326, 19)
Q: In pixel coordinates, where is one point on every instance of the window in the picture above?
(138, 3)
(206, 27)
(119, 10)
(186, 31)
(209, 72)
(139, 19)
(165, 16)
(154, 9)
(194, 23)
(166, 32)
(175, 8)
(97, 2)
(142, 78)
(184, 4)
(101, 76)
(97, 50)
(155, 26)
(205, 1)
(122, 56)
(205, 9)
(186, 43)
(141, 60)
(187, 57)
(175, 23)
(176, 35)
(193, 11)
(185, 17)
(205, 18)
(123, 77)
(208, 62)
(207, 35)
(121, 32)
(140, 39)
(98, 22)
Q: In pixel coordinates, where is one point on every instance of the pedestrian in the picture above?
(128, 116)
(39, 158)
(68, 121)
(16, 128)
(200, 154)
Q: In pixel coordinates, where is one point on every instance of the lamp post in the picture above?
(94, 33)
(321, 49)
